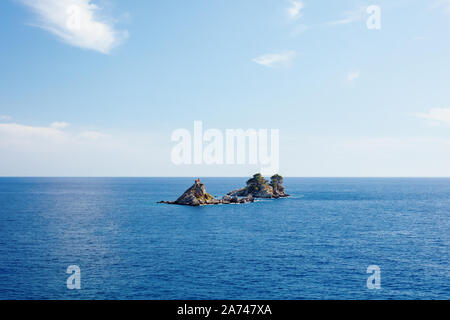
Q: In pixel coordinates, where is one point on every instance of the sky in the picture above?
(97, 88)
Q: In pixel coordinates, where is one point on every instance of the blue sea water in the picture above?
(316, 244)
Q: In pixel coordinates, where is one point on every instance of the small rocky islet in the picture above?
(257, 187)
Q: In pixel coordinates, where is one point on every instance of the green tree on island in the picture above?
(276, 180)
(257, 183)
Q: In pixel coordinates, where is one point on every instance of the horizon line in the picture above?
(195, 177)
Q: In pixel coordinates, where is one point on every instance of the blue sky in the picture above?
(348, 101)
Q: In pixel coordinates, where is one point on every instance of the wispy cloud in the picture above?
(276, 59)
(444, 5)
(59, 125)
(295, 10)
(53, 132)
(4, 117)
(24, 131)
(29, 150)
(353, 75)
(93, 135)
(436, 115)
(350, 17)
(77, 22)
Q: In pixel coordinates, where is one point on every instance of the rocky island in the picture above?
(257, 187)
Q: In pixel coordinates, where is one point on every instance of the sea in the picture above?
(323, 242)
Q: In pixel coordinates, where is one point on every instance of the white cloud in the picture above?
(366, 156)
(77, 22)
(352, 76)
(438, 115)
(295, 11)
(92, 135)
(4, 117)
(28, 150)
(53, 132)
(350, 17)
(44, 151)
(444, 5)
(59, 125)
(276, 59)
(19, 131)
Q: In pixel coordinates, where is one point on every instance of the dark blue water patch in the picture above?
(316, 244)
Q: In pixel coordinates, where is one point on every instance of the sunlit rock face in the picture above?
(196, 195)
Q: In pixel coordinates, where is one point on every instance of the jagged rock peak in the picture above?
(196, 195)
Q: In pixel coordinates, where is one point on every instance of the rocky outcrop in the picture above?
(229, 199)
(197, 196)
(258, 187)
(276, 182)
